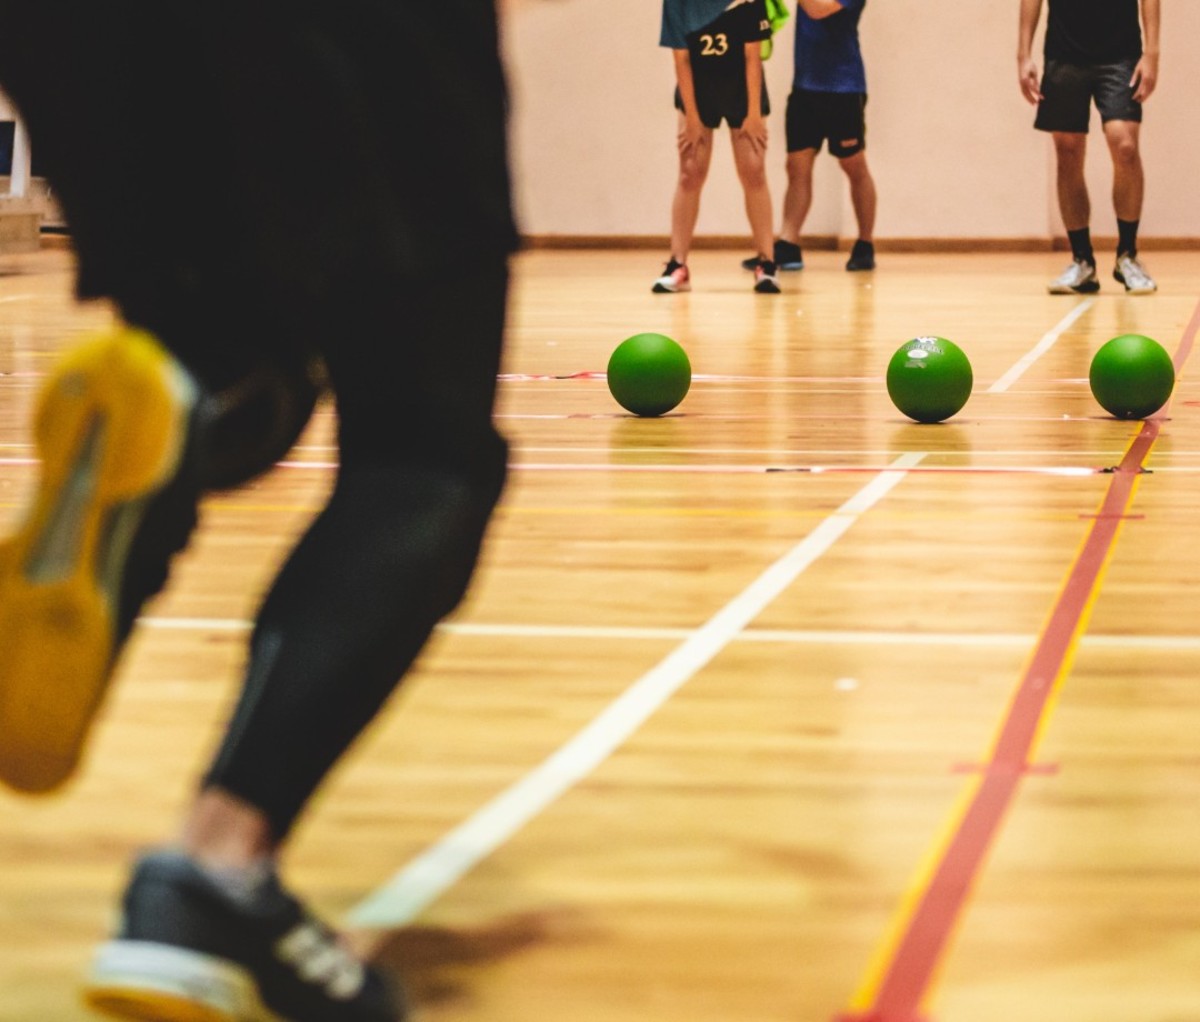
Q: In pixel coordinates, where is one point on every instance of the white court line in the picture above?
(196, 624)
(609, 633)
(440, 866)
(779, 452)
(1039, 349)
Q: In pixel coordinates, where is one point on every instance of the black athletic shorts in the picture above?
(1069, 89)
(723, 99)
(836, 117)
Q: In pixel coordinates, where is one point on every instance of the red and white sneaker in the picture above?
(675, 278)
(765, 281)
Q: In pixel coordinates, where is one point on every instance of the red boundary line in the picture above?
(910, 972)
(1063, 472)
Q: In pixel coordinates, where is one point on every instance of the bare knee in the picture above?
(692, 175)
(855, 167)
(1070, 148)
(753, 176)
(1124, 150)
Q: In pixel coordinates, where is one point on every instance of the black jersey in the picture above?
(1093, 31)
(717, 51)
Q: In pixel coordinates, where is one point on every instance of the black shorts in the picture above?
(815, 117)
(1069, 89)
(723, 99)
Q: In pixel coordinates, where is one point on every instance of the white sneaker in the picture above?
(1077, 279)
(675, 278)
(1133, 275)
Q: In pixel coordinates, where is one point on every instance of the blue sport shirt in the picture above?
(828, 56)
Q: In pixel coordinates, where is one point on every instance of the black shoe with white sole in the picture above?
(191, 950)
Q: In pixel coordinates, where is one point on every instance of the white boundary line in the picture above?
(1038, 350)
(800, 637)
(441, 865)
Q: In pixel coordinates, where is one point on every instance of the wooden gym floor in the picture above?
(781, 707)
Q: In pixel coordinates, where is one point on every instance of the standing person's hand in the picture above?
(1145, 77)
(1027, 76)
(755, 129)
(691, 135)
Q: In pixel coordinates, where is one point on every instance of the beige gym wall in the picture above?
(950, 137)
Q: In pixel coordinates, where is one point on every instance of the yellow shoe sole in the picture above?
(109, 426)
(151, 1006)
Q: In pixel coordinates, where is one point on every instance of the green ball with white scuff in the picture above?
(929, 379)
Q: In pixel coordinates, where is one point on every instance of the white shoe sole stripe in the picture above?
(126, 971)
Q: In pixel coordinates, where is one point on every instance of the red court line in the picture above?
(696, 378)
(909, 972)
(1066, 471)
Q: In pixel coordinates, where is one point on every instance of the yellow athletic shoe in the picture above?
(111, 427)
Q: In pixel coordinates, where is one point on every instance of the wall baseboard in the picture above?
(829, 243)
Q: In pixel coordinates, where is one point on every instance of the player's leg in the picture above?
(391, 554)
(1128, 191)
(1121, 115)
(864, 201)
(694, 162)
(848, 143)
(805, 136)
(750, 162)
(1074, 203)
(797, 201)
(1129, 180)
(1064, 111)
(414, 370)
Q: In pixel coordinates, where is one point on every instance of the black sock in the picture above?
(1127, 237)
(1081, 245)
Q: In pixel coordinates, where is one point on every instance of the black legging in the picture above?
(421, 469)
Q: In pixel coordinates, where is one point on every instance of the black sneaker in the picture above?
(787, 257)
(115, 499)
(862, 257)
(189, 950)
